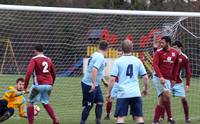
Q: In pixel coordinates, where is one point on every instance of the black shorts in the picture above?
(122, 105)
(89, 98)
(4, 108)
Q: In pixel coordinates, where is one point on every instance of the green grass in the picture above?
(66, 99)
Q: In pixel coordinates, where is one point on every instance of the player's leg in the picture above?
(179, 91)
(121, 110)
(99, 104)
(159, 107)
(167, 101)
(120, 120)
(162, 115)
(3, 103)
(32, 98)
(136, 109)
(45, 93)
(3, 106)
(87, 102)
(108, 109)
(109, 103)
(6, 114)
(162, 112)
(98, 112)
(186, 110)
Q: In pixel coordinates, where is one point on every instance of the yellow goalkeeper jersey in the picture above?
(15, 100)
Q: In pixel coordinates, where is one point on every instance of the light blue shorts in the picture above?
(178, 90)
(159, 87)
(114, 91)
(39, 93)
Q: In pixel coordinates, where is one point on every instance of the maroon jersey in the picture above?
(42, 70)
(183, 63)
(165, 63)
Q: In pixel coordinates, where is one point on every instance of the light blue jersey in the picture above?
(127, 69)
(96, 60)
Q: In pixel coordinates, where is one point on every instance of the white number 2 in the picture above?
(45, 65)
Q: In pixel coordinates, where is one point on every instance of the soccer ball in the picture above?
(36, 110)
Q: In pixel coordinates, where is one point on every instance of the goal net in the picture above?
(70, 36)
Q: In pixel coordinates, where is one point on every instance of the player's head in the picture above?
(119, 52)
(165, 42)
(177, 45)
(103, 45)
(127, 46)
(20, 84)
(39, 48)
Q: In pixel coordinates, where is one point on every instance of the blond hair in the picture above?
(127, 46)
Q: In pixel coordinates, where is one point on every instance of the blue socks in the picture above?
(98, 112)
(85, 114)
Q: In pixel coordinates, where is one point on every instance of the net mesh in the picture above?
(70, 37)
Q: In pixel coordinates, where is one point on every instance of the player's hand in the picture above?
(108, 98)
(144, 92)
(172, 83)
(23, 116)
(92, 87)
(162, 80)
(150, 74)
(187, 88)
(26, 92)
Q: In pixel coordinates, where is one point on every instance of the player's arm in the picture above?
(110, 85)
(22, 109)
(143, 73)
(11, 92)
(53, 72)
(175, 71)
(29, 72)
(94, 77)
(145, 80)
(98, 63)
(155, 64)
(156, 67)
(113, 75)
(105, 82)
(188, 74)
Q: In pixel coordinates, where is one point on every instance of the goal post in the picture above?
(70, 36)
(8, 57)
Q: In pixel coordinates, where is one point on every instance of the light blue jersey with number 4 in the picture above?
(127, 69)
(97, 61)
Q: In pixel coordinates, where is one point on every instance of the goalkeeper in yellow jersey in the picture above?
(13, 99)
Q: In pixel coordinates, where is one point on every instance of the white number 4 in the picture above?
(45, 65)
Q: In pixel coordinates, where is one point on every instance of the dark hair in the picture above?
(177, 43)
(19, 79)
(39, 47)
(103, 45)
(127, 46)
(167, 39)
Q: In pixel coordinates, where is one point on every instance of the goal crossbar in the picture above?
(98, 11)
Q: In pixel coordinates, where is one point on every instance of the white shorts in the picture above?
(178, 90)
(39, 93)
(159, 87)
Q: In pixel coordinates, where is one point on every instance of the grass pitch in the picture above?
(66, 98)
